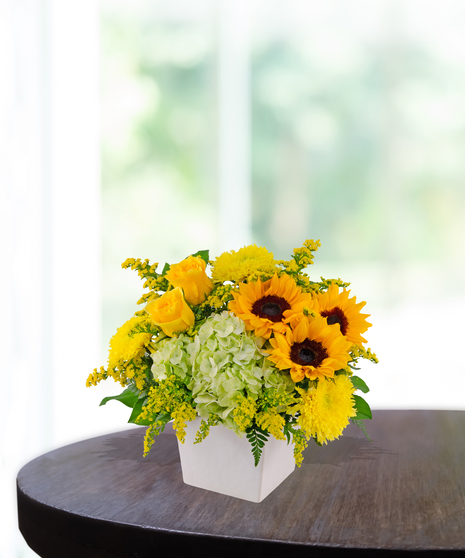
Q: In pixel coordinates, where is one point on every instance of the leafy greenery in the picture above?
(128, 397)
(288, 429)
(136, 411)
(307, 384)
(362, 407)
(257, 439)
(204, 254)
(359, 384)
(362, 427)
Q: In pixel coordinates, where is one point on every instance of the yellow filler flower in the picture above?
(190, 276)
(264, 306)
(339, 309)
(171, 312)
(325, 411)
(312, 349)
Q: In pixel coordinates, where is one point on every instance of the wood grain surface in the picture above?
(403, 494)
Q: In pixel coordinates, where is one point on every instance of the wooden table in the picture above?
(403, 492)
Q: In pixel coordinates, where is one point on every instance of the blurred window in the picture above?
(274, 122)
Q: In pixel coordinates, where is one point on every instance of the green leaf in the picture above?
(288, 435)
(137, 410)
(163, 417)
(204, 254)
(128, 397)
(362, 407)
(257, 439)
(358, 383)
(362, 427)
(165, 268)
(288, 427)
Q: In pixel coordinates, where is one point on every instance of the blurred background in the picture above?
(142, 128)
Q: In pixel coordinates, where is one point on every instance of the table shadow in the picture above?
(130, 447)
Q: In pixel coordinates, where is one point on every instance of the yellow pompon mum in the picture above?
(311, 349)
(126, 345)
(340, 310)
(264, 306)
(326, 410)
(249, 261)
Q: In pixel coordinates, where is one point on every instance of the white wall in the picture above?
(50, 238)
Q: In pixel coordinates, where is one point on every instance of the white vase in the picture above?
(224, 463)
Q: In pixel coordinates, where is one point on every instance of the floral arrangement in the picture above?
(257, 347)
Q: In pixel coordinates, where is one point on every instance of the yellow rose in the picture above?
(171, 312)
(191, 277)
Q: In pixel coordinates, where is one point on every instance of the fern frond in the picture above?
(362, 427)
(257, 438)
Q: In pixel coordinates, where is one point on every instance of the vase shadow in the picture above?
(129, 446)
(344, 449)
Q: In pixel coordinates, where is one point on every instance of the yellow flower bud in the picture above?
(171, 312)
(190, 276)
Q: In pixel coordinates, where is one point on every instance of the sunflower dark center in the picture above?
(336, 316)
(271, 308)
(308, 353)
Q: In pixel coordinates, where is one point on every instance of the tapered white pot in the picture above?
(224, 463)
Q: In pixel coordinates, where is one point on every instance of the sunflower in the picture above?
(311, 349)
(263, 306)
(238, 266)
(325, 411)
(339, 309)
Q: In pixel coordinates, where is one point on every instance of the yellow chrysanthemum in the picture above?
(325, 411)
(339, 309)
(125, 347)
(312, 349)
(264, 306)
(250, 261)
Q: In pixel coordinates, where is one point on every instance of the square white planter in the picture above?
(224, 463)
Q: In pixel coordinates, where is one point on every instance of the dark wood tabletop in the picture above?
(403, 494)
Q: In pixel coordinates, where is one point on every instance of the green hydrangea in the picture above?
(227, 364)
(221, 365)
(171, 357)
